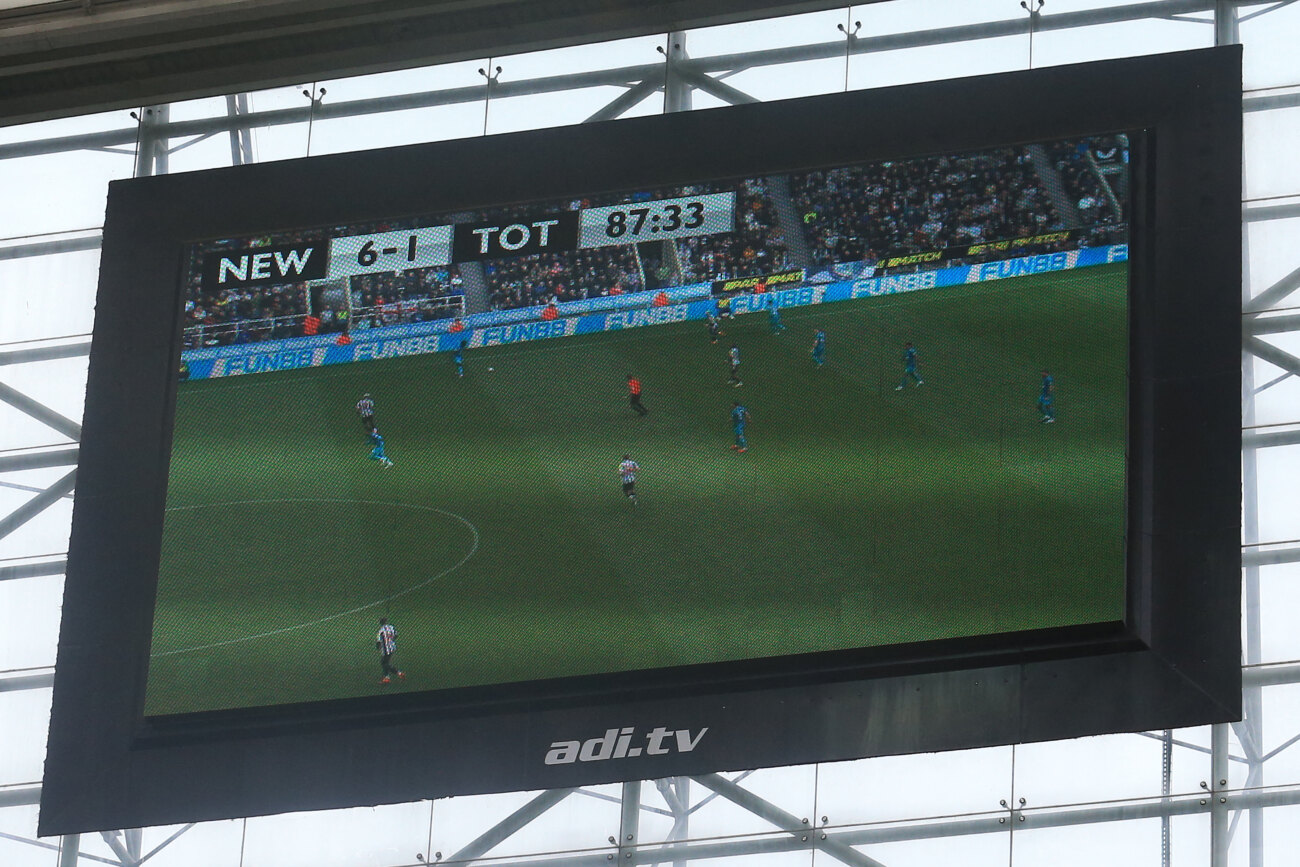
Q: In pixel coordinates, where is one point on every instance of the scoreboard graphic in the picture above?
(329, 258)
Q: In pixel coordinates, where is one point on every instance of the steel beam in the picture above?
(1271, 557)
(787, 822)
(1218, 795)
(150, 53)
(1251, 729)
(1044, 818)
(37, 504)
(677, 88)
(1269, 103)
(33, 570)
(31, 489)
(134, 839)
(119, 849)
(241, 140)
(70, 858)
(1262, 213)
(625, 101)
(1271, 675)
(22, 795)
(961, 33)
(1166, 769)
(623, 76)
(19, 682)
(69, 850)
(49, 248)
(45, 353)
(1270, 353)
(1227, 30)
(682, 824)
(629, 823)
(489, 839)
(165, 843)
(65, 456)
(675, 805)
(153, 133)
(1271, 324)
(1272, 295)
(1057, 817)
(40, 412)
(714, 87)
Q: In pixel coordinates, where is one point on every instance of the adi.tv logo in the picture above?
(624, 743)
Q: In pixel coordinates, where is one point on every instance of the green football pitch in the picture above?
(501, 546)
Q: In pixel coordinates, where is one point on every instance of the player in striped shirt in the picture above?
(634, 394)
(627, 471)
(715, 328)
(733, 355)
(366, 409)
(386, 644)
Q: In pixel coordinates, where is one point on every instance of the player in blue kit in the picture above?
(909, 368)
(377, 453)
(774, 315)
(1046, 398)
(819, 348)
(739, 416)
(459, 358)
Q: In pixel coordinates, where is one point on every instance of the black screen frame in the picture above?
(1173, 662)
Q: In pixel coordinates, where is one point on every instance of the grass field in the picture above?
(502, 548)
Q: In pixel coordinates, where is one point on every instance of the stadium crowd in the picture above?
(1093, 195)
(892, 209)
(861, 214)
(243, 315)
(248, 314)
(419, 295)
(756, 247)
(528, 281)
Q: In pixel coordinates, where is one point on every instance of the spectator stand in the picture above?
(893, 217)
(400, 298)
(262, 313)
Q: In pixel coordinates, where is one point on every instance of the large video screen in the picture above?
(751, 417)
(667, 446)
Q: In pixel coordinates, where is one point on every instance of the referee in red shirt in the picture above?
(634, 394)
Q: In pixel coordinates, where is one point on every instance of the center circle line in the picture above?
(426, 582)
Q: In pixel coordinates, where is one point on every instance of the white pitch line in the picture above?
(426, 582)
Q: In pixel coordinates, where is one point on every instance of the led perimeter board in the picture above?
(874, 423)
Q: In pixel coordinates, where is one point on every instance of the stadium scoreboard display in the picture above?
(429, 478)
(430, 246)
